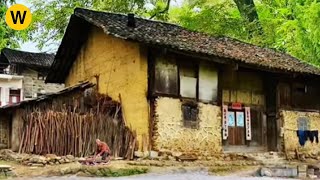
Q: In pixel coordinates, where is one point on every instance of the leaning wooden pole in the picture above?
(67, 126)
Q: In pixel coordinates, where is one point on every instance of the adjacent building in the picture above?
(22, 75)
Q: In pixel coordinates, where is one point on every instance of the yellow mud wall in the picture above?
(171, 135)
(291, 141)
(122, 69)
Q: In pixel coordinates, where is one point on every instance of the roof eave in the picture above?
(68, 49)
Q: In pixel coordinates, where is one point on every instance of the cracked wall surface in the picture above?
(171, 135)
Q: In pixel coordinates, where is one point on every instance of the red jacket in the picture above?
(103, 147)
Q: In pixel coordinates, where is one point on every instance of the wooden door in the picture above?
(272, 133)
(236, 128)
(256, 127)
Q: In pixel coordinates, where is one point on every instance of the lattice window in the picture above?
(190, 115)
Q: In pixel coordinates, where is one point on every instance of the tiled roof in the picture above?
(12, 56)
(178, 38)
(80, 86)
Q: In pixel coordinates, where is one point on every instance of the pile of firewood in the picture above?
(67, 126)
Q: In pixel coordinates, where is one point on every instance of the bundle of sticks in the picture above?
(73, 129)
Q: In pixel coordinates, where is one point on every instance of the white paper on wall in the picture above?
(188, 86)
(208, 83)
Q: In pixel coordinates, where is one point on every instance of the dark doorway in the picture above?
(271, 104)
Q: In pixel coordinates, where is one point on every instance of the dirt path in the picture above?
(178, 172)
(174, 176)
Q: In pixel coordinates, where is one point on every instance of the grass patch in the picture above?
(123, 172)
(111, 172)
(223, 170)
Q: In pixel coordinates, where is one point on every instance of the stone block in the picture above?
(138, 154)
(310, 171)
(146, 154)
(154, 154)
(266, 172)
(37, 165)
(302, 174)
(70, 157)
(171, 158)
(302, 168)
(51, 156)
(37, 159)
(176, 154)
(279, 172)
(312, 176)
(80, 159)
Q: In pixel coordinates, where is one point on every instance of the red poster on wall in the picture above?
(224, 122)
(248, 123)
(236, 106)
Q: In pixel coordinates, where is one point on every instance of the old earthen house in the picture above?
(185, 91)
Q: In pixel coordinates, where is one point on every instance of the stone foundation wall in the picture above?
(290, 125)
(172, 135)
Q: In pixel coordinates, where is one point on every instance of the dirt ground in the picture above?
(124, 168)
(58, 170)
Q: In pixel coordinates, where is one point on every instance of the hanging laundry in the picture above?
(310, 136)
(314, 135)
(302, 135)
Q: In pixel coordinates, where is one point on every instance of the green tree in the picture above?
(249, 13)
(8, 37)
(288, 25)
(50, 18)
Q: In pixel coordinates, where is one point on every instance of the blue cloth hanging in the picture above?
(303, 136)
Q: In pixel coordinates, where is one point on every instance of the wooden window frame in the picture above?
(154, 92)
(296, 88)
(192, 123)
(179, 62)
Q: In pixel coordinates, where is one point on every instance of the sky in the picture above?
(32, 46)
(28, 46)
